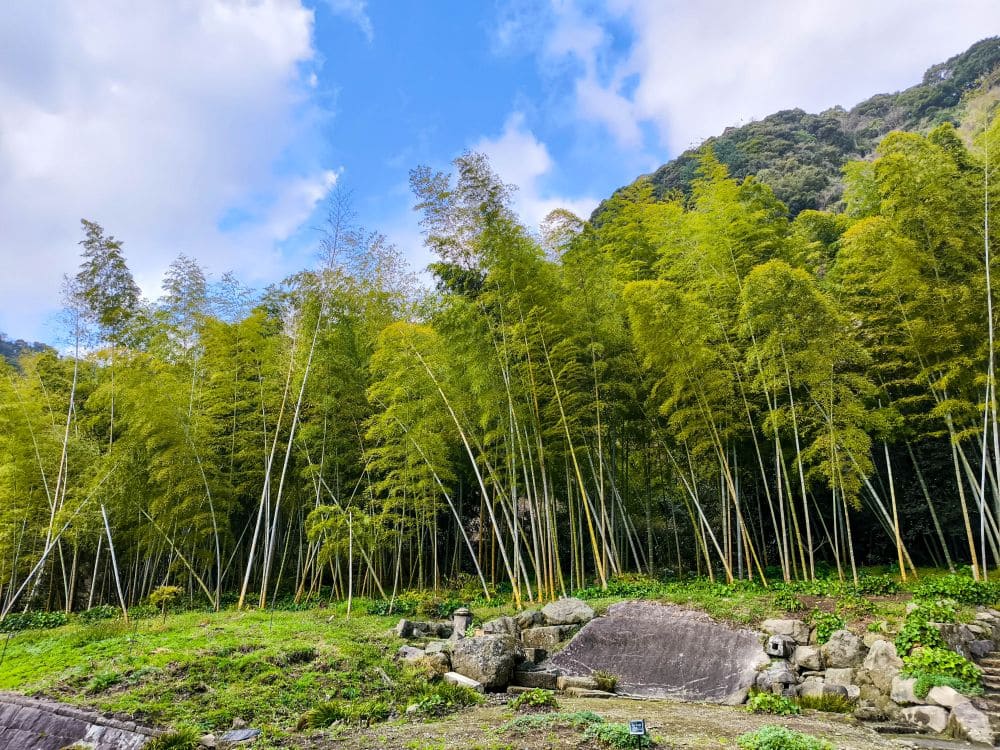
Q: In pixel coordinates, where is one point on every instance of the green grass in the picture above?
(204, 669)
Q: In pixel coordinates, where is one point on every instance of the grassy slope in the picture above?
(206, 669)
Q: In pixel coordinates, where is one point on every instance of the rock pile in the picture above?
(502, 652)
(867, 672)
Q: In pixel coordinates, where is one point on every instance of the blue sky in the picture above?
(217, 128)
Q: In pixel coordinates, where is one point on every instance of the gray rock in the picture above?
(979, 649)
(239, 736)
(568, 611)
(776, 678)
(501, 626)
(409, 653)
(439, 662)
(535, 655)
(455, 678)
(844, 649)
(780, 646)
(815, 687)
(659, 650)
(795, 629)
(842, 676)
(488, 659)
(404, 628)
(577, 692)
(535, 678)
(807, 657)
(529, 618)
(948, 697)
(546, 637)
(870, 639)
(437, 647)
(969, 723)
(565, 682)
(901, 690)
(882, 664)
(208, 740)
(930, 718)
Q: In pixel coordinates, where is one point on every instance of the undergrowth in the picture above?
(769, 703)
(780, 738)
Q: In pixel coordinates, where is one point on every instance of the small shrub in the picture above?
(616, 735)
(835, 704)
(18, 621)
(349, 712)
(927, 681)
(852, 605)
(403, 605)
(605, 680)
(943, 662)
(443, 698)
(102, 612)
(962, 589)
(826, 623)
(534, 722)
(788, 601)
(779, 738)
(102, 681)
(769, 703)
(535, 699)
(181, 739)
(164, 596)
(322, 715)
(935, 610)
(142, 612)
(917, 632)
(877, 585)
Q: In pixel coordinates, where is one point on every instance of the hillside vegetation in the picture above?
(707, 382)
(800, 155)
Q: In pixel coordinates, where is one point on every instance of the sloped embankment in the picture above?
(33, 724)
(660, 650)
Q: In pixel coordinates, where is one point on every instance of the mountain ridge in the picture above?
(800, 155)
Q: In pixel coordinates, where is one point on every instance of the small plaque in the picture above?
(637, 727)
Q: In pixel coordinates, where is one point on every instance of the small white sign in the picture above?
(637, 727)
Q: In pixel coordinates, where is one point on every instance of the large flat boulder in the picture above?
(567, 611)
(659, 650)
(40, 724)
(487, 659)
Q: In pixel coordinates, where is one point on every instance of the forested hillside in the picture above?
(800, 156)
(704, 381)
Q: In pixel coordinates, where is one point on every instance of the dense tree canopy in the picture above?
(709, 383)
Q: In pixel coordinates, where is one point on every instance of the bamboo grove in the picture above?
(699, 385)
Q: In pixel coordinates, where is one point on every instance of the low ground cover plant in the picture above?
(780, 738)
(769, 703)
(535, 699)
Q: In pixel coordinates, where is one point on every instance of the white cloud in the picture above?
(157, 124)
(356, 11)
(691, 69)
(519, 158)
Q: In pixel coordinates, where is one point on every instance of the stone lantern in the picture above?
(461, 620)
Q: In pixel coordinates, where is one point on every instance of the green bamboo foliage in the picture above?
(702, 384)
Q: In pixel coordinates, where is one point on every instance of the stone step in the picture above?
(535, 679)
(579, 692)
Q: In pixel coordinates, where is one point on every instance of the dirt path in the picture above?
(675, 724)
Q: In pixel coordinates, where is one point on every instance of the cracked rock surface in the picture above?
(660, 650)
